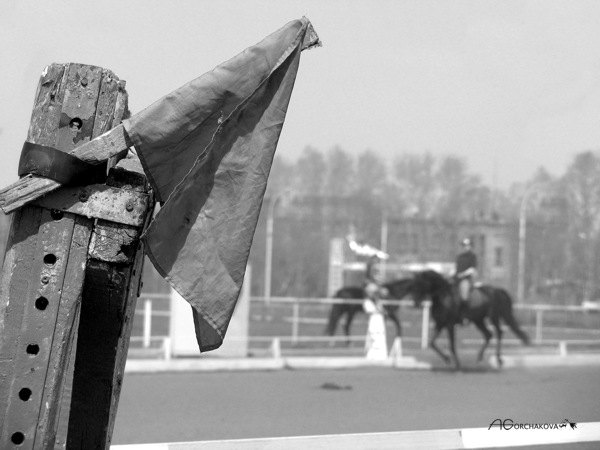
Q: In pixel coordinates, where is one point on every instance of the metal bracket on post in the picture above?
(70, 277)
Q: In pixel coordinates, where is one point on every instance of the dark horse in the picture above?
(397, 290)
(486, 301)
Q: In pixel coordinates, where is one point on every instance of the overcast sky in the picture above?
(508, 85)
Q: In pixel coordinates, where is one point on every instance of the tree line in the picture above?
(322, 193)
(562, 211)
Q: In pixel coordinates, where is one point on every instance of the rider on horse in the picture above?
(373, 281)
(466, 272)
(373, 274)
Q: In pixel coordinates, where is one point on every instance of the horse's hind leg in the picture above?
(487, 335)
(498, 328)
(348, 323)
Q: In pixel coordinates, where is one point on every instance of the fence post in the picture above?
(147, 322)
(425, 325)
(63, 341)
(562, 348)
(276, 348)
(167, 348)
(539, 316)
(295, 321)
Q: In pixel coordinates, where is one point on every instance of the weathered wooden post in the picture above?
(71, 276)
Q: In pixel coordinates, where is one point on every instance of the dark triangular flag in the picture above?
(207, 149)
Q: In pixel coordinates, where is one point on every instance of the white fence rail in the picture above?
(296, 304)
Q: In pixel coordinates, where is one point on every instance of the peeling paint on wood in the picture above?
(114, 242)
(101, 202)
(107, 103)
(45, 117)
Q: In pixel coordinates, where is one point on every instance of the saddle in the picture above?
(475, 297)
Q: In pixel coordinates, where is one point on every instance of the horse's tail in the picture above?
(505, 310)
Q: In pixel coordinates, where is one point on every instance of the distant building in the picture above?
(428, 244)
(495, 243)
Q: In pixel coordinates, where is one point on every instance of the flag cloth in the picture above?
(207, 149)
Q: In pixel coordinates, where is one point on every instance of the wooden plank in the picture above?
(122, 345)
(99, 201)
(18, 260)
(101, 315)
(48, 304)
(104, 146)
(60, 441)
(63, 335)
(82, 89)
(124, 205)
(121, 113)
(106, 105)
(106, 311)
(45, 116)
(31, 187)
(18, 263)
(111, 288)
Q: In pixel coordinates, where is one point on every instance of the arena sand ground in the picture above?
(229, 405)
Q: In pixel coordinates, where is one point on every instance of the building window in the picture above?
(498, 257)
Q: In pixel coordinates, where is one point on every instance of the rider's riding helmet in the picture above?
(466, 242)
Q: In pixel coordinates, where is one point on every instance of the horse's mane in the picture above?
(429, 283)
(435, 279)
(398, 282)
(399, 288)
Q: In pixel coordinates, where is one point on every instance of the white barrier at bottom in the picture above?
(422, 439)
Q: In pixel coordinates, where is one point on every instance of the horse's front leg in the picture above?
(436, 332)
(334, 316)
(452, 341)
(391, 314)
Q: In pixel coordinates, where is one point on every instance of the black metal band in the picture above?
(59, 166)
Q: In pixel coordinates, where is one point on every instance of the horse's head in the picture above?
(429, 284)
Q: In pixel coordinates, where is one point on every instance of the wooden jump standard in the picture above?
(72, 270)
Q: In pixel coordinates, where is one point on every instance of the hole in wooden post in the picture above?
(41, 303)
(50, 259)
(56, 214)
(25, 394)
(76, 123)
(17, 438)
(33, 349)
